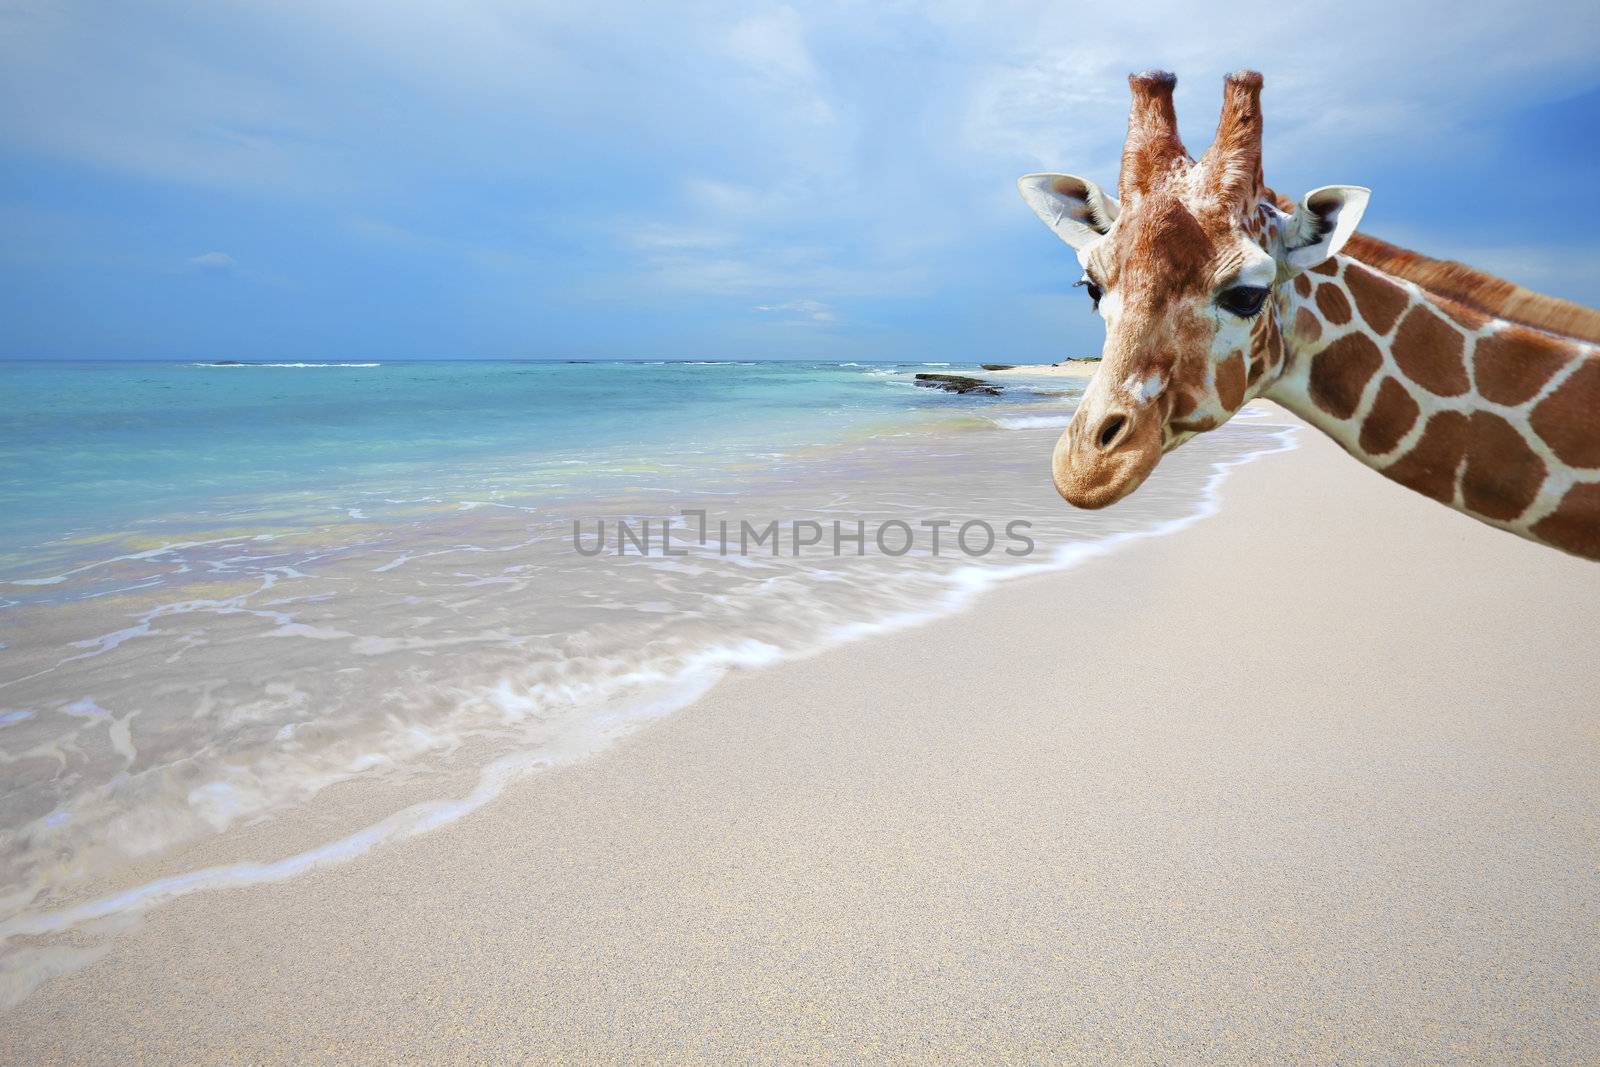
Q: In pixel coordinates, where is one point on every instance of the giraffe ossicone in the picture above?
(1214, 291)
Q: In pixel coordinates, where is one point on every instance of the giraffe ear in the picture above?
(1073, 207)
(1322, 222)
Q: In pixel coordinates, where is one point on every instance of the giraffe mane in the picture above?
(1478, 290)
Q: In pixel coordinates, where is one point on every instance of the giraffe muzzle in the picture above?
(1105, 454)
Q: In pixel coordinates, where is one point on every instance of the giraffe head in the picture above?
(1186, 269)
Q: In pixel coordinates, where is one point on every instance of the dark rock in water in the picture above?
(998, 366)
(958, 383)
(227, 363)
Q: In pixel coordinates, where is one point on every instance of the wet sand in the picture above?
(1312, 779)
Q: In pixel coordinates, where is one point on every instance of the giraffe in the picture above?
(1214, 291)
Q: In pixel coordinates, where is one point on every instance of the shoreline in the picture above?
(971, 838)
(474, 782)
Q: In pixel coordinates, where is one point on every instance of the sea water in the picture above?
(225, 588)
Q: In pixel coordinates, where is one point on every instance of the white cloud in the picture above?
(808, 311)
(212, 261)
(724, 199)
(1036, 81)
(1369, 74)
(665, 239)
(1048, 107)
(773, 44)
(740, 153)
(772, 47)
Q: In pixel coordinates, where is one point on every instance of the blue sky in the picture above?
(345, 179)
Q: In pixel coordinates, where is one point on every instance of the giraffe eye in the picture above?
(1093, 290)
(1243, 300)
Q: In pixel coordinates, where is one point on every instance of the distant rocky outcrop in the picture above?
(998, 366)
(958, 383)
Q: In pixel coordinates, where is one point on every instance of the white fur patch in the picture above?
(1143, 390)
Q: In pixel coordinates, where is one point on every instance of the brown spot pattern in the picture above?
(1512, 365)
(1391, 418)
(1330, 267)
(1503, 474)
(1274, 341)
(1230, 381)
(1182, 404)
(1379, 300)
(1428, 350)
(1302, 285)
(1332, 303)
(1266, 343)
(1569, 418)
(1306, 326)
(1575, 524)
(1341, 371)
(1430, 467)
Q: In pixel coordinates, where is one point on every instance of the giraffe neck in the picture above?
(1495, 419)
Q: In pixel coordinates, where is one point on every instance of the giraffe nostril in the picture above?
(1110, 429)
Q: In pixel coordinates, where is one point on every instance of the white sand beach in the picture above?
(1079, 369)
(1312, 779)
